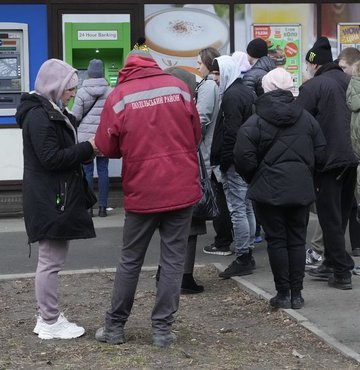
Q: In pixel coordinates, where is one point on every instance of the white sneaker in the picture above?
(61, 329)
(39, 322)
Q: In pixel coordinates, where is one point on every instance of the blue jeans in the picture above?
(241, 210)
(102, 164)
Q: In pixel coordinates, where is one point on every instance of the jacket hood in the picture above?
(241, 61)
(278, 107)
(228, 72)
(138, 66)
(265, 63)
(28, 101)
(327, 67)
(353, 94)
(53, 78)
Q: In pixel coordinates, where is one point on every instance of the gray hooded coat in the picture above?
(92, 89)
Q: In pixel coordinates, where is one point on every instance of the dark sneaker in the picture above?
(189, 285)
(322, 272)
(356, 252)
(163, 340)
(212, 249)
(258, 239)
(243, 265)
(102, 212)
(343, 283)
(280, 301)
(102, 335)
(297, 301)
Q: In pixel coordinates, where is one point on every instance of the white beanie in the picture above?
(277, 78)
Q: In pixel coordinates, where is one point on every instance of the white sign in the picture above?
(97, 35)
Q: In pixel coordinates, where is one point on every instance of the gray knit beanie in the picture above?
(95, 69)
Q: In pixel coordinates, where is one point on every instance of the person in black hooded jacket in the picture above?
(257, 51)
(276, 151)
(324, 96)
(54, 202)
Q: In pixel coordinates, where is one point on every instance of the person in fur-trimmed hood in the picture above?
(53, 187)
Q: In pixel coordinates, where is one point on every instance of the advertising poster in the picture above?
(348, 35)
(176, 33)
(284, 45)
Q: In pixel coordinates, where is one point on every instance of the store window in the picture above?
(289, 30)
(341, 25)
(176, 33)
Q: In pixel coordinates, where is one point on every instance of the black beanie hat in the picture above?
(215, 66)
(320, 53)
(257, 48)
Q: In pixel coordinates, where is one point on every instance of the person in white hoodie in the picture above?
(88, 105)
(236, 107)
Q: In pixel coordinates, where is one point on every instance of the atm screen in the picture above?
(8, 68)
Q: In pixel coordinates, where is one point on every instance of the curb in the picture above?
(300, 319)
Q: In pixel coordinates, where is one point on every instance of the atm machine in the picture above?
(14, 65)
(109, 42)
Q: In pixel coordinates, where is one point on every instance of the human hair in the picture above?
(349, 55)
(356, 69)
(207, 56)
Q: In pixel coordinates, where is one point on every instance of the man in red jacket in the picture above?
(150, 120)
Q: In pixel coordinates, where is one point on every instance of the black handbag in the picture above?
(206, 208)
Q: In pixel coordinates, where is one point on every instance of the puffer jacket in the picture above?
(253, 77)
(150, 120)
(353, 102)
(53, 184)
(207, 104)
(87, 116)
(324, 96)
(235, 109)
(276, 151)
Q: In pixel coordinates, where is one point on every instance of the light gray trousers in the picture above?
(139, 228)
(52, 255)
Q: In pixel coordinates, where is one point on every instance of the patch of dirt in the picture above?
(222, 328)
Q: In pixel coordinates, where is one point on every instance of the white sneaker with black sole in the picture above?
(61, 329)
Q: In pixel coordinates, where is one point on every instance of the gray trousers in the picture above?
(139, 228)
(52, 255)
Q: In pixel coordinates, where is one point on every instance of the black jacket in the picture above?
(53, 186)
(235, 109)
(324, 96)
(276, 150)
(253, 77)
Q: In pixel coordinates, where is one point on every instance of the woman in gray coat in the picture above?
(88, 105)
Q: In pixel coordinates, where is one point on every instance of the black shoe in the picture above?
(356, 252)
(189, 285)
(297, 301)
(163, 340)
(343, 283)
(102, 212)
(102, 335)
(243, 265)
(281, 300)
(322, 272)
(213, 249)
